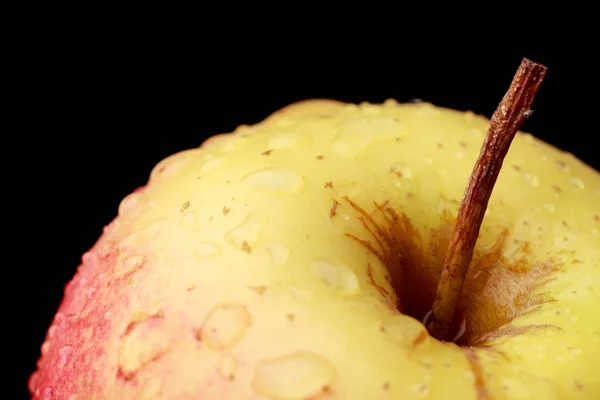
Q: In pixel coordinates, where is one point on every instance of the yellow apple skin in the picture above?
(243, 270)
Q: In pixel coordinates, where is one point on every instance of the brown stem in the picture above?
(506, 121)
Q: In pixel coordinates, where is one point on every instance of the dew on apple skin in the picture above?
(164, 281)
(338, 277)
(402, 171)
(228, 367)
(284, 140)
(90, 292)
(212, 164)
(532, 180)
(104, 249)
(151, 389)
(45, 348)
(224, 326)
(88, 257)
(427, 110)
(129, 204)
(131, 263)
(47, 393)
(52, 331)
(578, 183)
(279, 254)
(357, 134)
(390, 103)
(145, 340)
(59, 318)
(63, 355)
(294, 376)
(420, 389)
(245, 235)
(515, 389)
(189, 219)
(206, 250)
(159, 253)
(405, 331)
(574, 350)
(276, 180)
(172, 164)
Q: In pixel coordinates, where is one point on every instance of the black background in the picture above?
(105, 107)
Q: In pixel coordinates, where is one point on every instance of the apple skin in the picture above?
(238, 272)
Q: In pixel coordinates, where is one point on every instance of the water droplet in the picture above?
(212, 164)
(129, 204)
(458, 154)
(104, 249)
(514, 388)
(564, 241)
(244, 235)
(189, 219)
(420, 389)
(90, 292)
(528, 137)
(59, 318)
(338, 277)
(151, 389)
(52, 331)
(284, 140)
(447, 208)
(145, 340)
(206, 250)
(172, 164)
(531, 179)
(562, 166)
(549, 207)
(405, 331)
(228, 367)
(63, 355)
(88, 258)
(279, 180)
(578, 183)
(159, 253)
(164, 281)
(402, 170)
(295, 376)
(357, 134)
(278, 253)
(47, 393)
(390, 103)
(282, 121)
(132, 264)
(302, 294)
(469, 376)
(427, 109)
(224, 326)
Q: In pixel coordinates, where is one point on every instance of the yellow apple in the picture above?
(296, 259)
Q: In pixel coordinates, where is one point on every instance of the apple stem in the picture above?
(506, 121)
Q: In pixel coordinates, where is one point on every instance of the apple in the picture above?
(298, 258)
